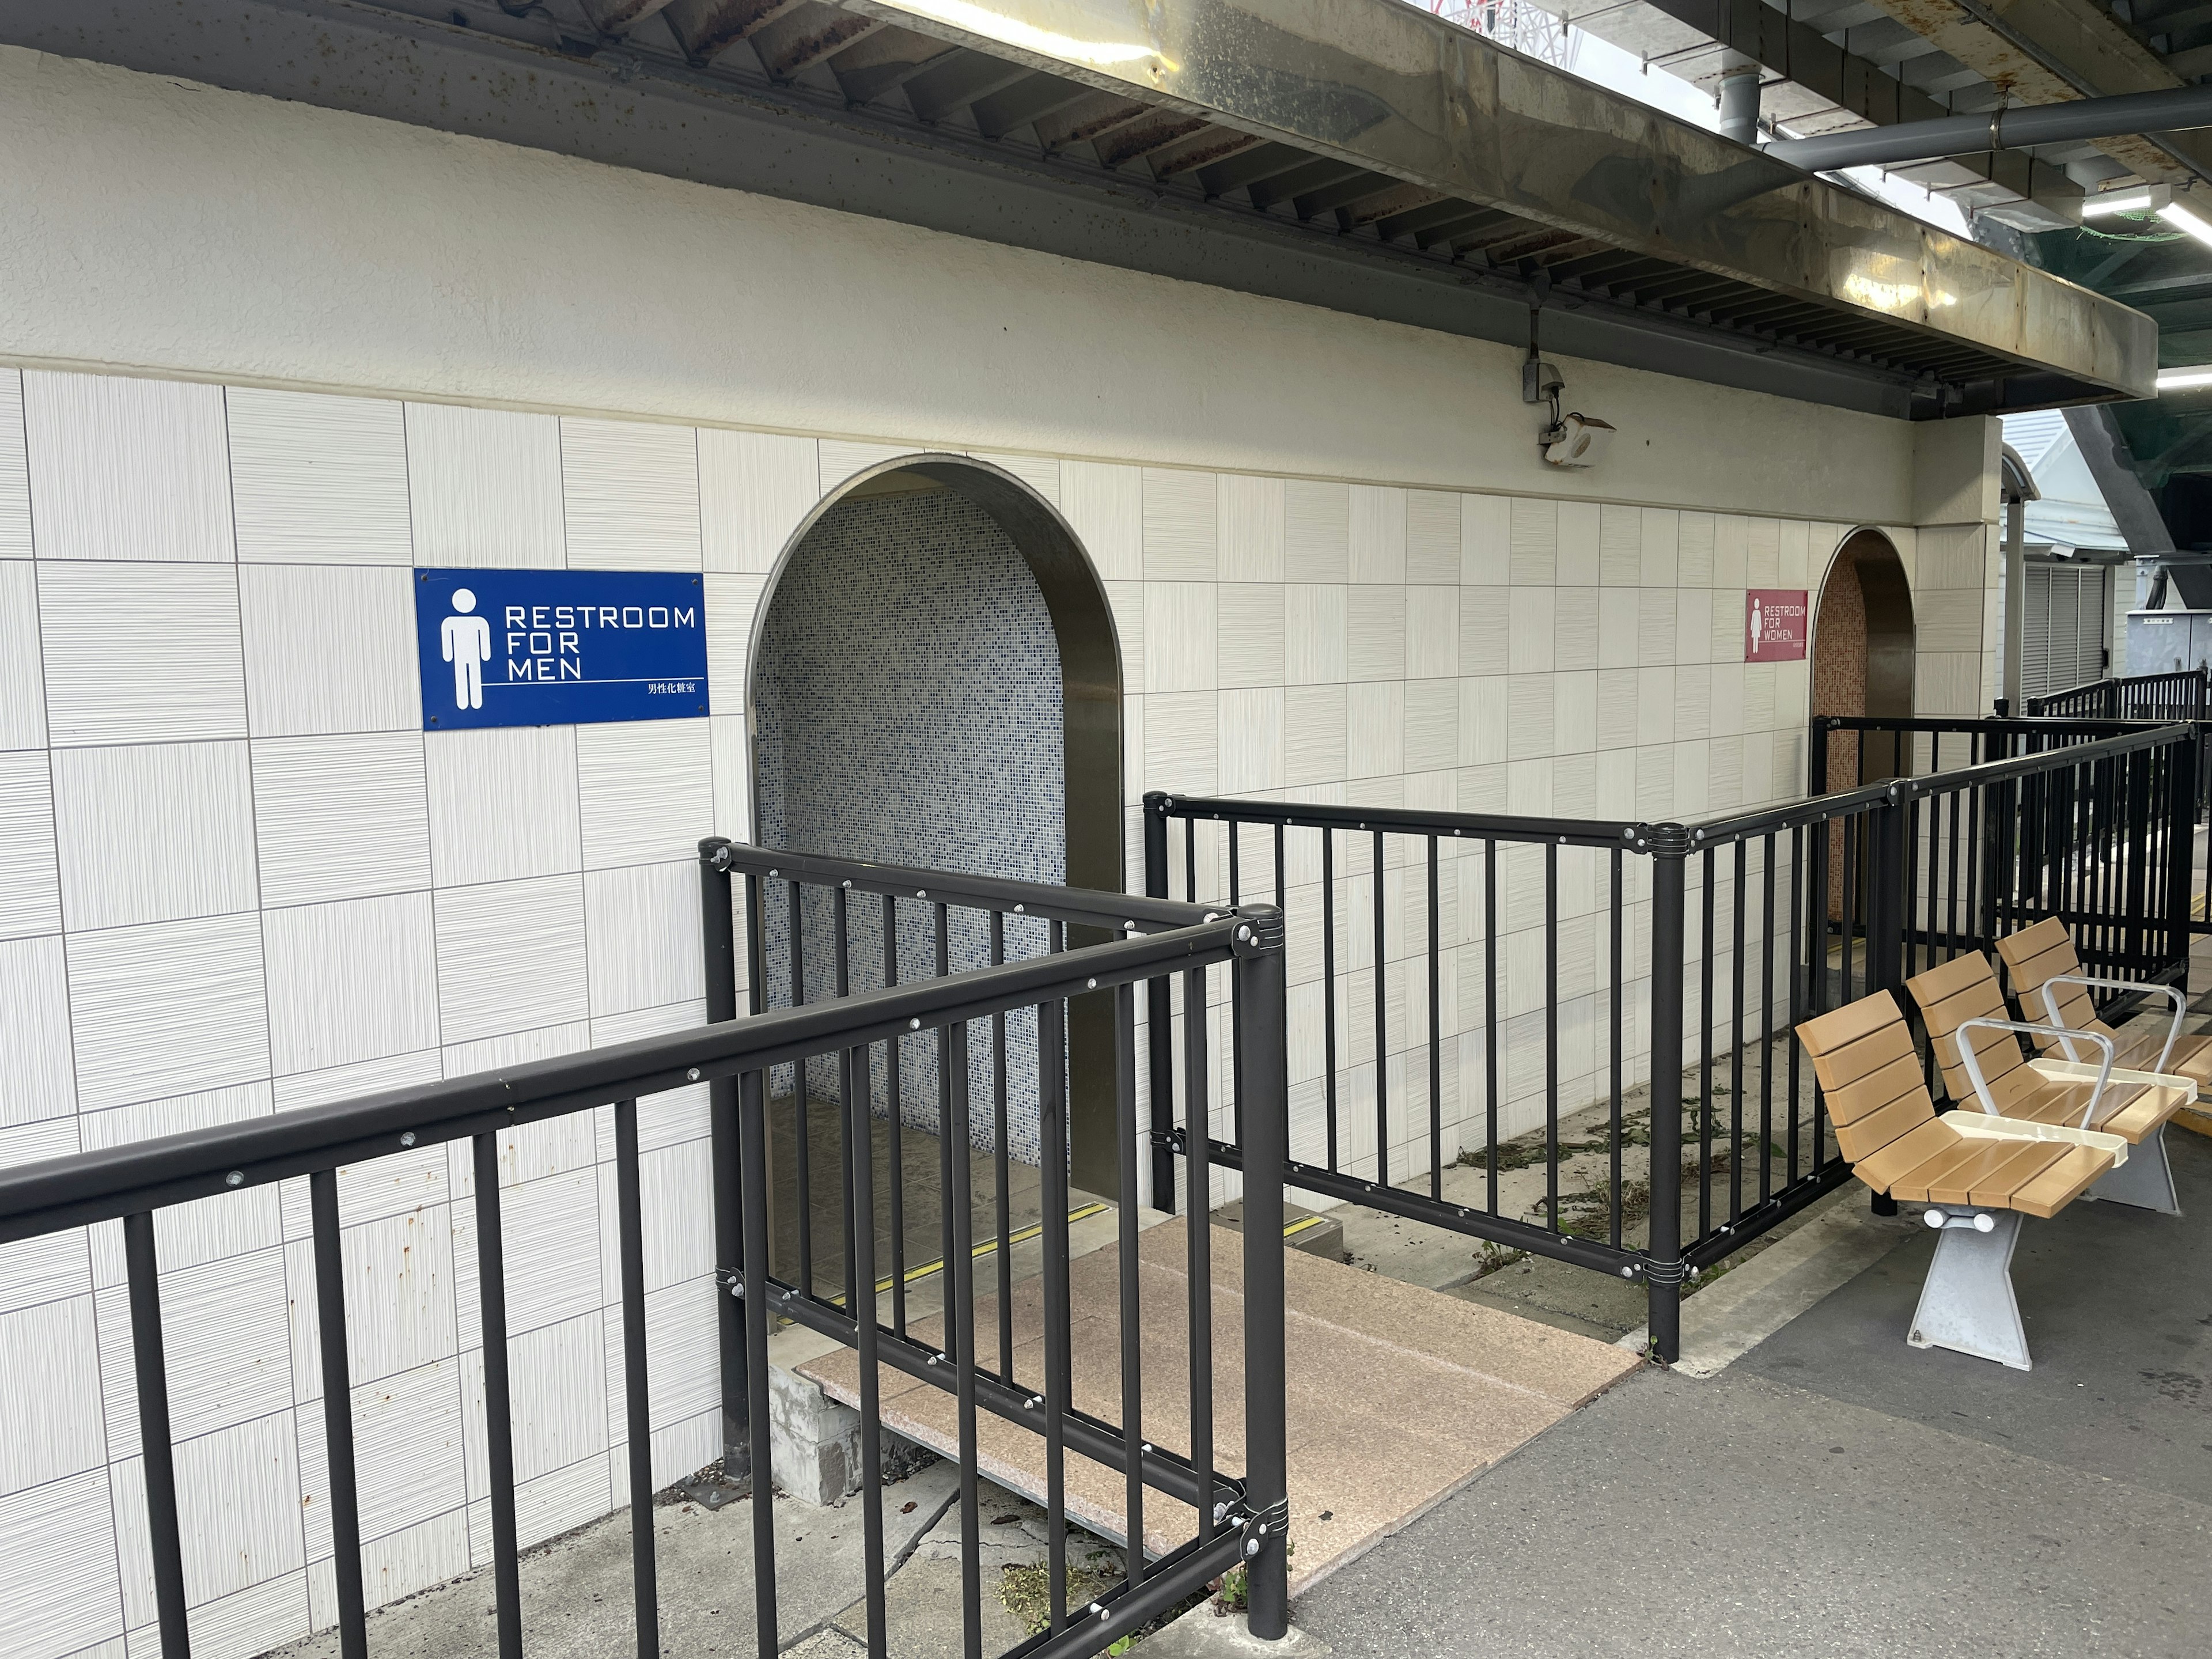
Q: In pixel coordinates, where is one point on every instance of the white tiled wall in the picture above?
(236, 878)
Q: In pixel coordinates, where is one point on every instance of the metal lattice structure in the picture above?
(1523, 28)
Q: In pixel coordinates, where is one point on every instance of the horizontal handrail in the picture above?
(1720, 831)
(1403, 820)
(1084, 906)
(2001, 771)
(102, 1185)
(1666, 836)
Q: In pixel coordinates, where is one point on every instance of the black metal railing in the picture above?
(2180, 695)
(1574, 1038)
(1866, 749)
(748, 1064)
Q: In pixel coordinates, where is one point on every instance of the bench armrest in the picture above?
(2097, 981)
(1974, 1066)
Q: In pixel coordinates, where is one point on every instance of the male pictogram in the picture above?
(467, 642)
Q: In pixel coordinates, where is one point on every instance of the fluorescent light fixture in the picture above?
(2182, 217)
(2185, 379)
(2144, 199)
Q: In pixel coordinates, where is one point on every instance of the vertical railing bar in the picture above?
(802, 1105)
(1133, 1362)
(148, 1353)
(338, 1413)
(637, 1399)
(1382, 1031)
(1328, 987)
(1190, 860)
(1159, 1028)
(895, 1128)
(722, 1141)
(960, 1336)
(850, 1151)
(1235, 832)
(499, 1422)
(1705, 1048)
(753, 1175)
(1052, 1078)
(1908, 877)
(1435, 1033)
(1854, 842)
(1954, 936)
(860, 1251)
(1492, 1037)
(1614, 1090)
(1551, 1036)
(1266, 1431)
(1198, 1257)
(1767, 927)
(944, 1093)
(1798, 989)
(1003, 1166)
(1735, 1036)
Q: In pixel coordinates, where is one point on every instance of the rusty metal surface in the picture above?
(1386, 87)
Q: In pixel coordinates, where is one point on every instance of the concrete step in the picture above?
(1397, 1396)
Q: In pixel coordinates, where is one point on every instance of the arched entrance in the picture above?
(935, 681)
(1863, 654)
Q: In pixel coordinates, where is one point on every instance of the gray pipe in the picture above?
(1740, 104)
(2177, 109)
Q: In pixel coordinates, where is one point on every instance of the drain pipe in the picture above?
(1740, 104)
(2175, 109)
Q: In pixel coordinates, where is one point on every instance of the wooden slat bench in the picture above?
(2134, 1105)
(1979, 1174)
(2048, 978)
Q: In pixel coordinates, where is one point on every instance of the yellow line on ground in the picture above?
(1081, 1213)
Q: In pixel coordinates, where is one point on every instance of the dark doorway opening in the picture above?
(935, 681)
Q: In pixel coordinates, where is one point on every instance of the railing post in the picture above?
(718, 938)
(1886, 920)
(2181, 854)
(1669, 846)
(1259, 982)
(1160, 1015)
(1816, 757)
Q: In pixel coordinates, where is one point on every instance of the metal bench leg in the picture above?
(1967, 1305)
(2145, 1181)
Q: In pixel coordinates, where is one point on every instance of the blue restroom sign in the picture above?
(559, 647)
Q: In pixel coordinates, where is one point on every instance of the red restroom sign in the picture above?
(1774, 624)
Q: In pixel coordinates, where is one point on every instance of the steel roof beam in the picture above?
(1853, 79)
(804, 36)
(2052, 51)
(1390, 89)
(705, 27)
(1026, 101)
(948, 85)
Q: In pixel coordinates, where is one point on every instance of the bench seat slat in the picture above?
(2062, 1182)
(2029, 1161)
(1840, 1027)
(1967, 968)
(1904, 1154)
(1840, 1067)
(1914, 1185)
(1870, 1134)
(1980, 1167)
(1882, 1087)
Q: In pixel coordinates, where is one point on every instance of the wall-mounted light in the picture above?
(2159, 199)
(2185, 379)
